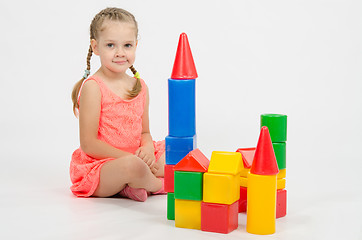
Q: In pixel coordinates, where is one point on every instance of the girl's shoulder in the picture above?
(91, 85)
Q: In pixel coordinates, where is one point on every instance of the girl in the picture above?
(116, 154)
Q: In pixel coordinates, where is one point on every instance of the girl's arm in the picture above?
(147, 150)
(90, 107)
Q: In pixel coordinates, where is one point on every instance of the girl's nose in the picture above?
(120, 52)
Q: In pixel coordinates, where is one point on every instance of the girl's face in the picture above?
(116, 46)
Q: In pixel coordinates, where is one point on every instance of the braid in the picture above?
(137, 86)
(78, 85)
(90, 52)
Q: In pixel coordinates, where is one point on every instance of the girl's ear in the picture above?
(94, 45)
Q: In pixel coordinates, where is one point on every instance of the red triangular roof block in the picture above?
(194, 161)
(184, 66)
(264, 162)
(247, 156)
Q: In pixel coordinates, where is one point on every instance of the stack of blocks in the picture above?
(209, 195)
(277, 125)
(262, 186)
(188, 179)
(181, 108)
(220, 206)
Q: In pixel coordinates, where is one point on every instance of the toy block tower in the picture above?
(219, 209)
(277, 125)
(181, 116)
(262, 187)
(247, 157)
(189, 188)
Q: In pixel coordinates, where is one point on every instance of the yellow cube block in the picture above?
(281, 183)
(226, 163)
(282, 173)
(221, 188)
(243, 182)
(188, 214)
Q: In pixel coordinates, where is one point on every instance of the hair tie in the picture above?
(137, 75)
(86, 74)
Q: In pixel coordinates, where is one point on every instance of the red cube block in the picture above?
(220, 218)
(169, 178)
(242, 200)
(281, 209)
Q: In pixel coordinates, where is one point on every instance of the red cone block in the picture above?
(264, 162)
(184, 66)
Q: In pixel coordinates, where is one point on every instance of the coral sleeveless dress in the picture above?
(120, 125)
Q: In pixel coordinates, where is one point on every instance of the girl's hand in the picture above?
(147, 155)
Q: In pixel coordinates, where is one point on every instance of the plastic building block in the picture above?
(247, 156)
(220, 218)
(243, 182)
(243, 199)
(281, 183)
(188, 185)
(169, 178)
(281, 209)
(280, 154)
(225, 163)
(184, 66)
(277, 124)
(188, 214)
(282, 174)
(178, 147)
(264, 162)
(261, 200)
(181, 108)
(180, 144)
(170, 206)
(221, 188)
(244, 173)
(262, 187)
(194, 161)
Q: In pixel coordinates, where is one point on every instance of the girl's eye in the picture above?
(110, 45)
(128, 45)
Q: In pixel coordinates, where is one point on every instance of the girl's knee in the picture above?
(135, 166)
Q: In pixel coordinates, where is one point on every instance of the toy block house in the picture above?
(188, 187)
(219, 209)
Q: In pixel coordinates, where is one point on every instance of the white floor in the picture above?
(37, 204)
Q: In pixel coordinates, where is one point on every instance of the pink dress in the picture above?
(120, 125)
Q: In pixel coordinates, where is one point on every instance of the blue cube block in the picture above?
(181, 108)
(178, 147)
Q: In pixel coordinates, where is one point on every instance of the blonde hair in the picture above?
(114, 14)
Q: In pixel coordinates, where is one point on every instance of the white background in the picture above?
(299, 58)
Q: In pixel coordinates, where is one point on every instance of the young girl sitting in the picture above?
(117, 154)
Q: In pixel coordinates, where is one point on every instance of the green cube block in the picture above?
(171, 206)
(280, 154)
(188, 185)
(277, 125)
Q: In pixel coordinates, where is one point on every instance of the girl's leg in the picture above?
(129, 170)
(160, 166)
